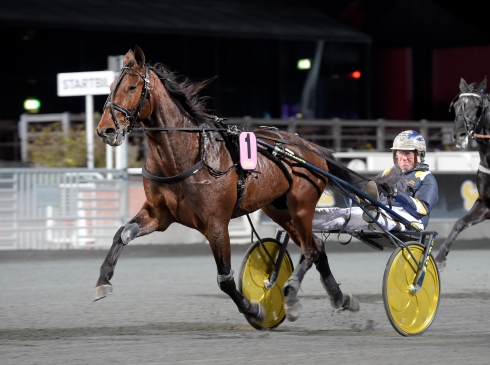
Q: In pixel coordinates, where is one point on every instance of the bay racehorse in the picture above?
(192, 176)
(472, 121)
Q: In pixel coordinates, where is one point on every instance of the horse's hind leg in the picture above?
(140, 225)
(337, 298)
(292, 306)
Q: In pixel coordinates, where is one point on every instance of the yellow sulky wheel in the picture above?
(254, 274)
(409, 312)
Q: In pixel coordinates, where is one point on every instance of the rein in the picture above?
(183, 129)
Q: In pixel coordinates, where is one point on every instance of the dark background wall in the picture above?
(411, 53)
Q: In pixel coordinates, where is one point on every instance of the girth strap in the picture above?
(171, 179)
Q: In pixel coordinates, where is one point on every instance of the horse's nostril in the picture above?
(106, 132)
(460, 136)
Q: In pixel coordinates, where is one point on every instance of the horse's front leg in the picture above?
(219, 241)
(142, 224)
(478, 213)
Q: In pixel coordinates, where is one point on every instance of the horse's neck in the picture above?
(484, 152)
(171, 150)
(484, 143)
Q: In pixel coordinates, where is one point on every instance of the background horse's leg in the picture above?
(478, 213)
(142, 224)
(337, 298)
(219, 241)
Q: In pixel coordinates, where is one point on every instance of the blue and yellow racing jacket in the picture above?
(416, 190)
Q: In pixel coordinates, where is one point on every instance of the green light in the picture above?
(304, 64)
(32, 105)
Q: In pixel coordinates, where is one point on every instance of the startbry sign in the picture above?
(85, 83)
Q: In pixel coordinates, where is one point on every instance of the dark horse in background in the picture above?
(472, 120)
(191, 176)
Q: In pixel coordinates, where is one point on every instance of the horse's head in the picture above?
(470, 108)
(129, 100)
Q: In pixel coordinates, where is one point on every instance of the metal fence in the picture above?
(339, 135)
(61, 208)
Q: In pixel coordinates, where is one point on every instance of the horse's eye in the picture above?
(132, 88)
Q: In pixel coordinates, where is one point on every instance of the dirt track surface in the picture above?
(167, 309)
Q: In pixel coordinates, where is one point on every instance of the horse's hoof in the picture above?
(293, 311)
(351, 303)
(441, 265)
(102, 291)
(260, 313)
(336, 299)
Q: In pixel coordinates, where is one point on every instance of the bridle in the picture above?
(131, 116)
(472, 125)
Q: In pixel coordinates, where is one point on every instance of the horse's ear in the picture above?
(139, 56)
(128, 56)
(463, 86)
(483, 85)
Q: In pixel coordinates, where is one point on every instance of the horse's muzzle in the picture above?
(461, 141)
(110, 136)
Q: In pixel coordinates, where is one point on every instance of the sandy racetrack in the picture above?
(167, 309)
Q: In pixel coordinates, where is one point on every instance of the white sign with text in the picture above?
(85, 83)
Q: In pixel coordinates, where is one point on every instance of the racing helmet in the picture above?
(409, 141)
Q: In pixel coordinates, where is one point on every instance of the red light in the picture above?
(355, 74)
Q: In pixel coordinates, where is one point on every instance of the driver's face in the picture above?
(405, 159)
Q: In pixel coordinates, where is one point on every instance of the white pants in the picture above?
(334, 218)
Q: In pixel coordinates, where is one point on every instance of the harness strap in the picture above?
(171, 179)
(232, 146)
(483, 169)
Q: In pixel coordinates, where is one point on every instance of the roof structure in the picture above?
(273, 19)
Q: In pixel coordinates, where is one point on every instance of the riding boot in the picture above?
(371, 190)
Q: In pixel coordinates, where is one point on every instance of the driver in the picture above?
(408, 186)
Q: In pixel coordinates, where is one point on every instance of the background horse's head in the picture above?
(471, 109)
(129, 100)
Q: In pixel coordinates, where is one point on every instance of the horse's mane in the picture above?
(185, 91)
